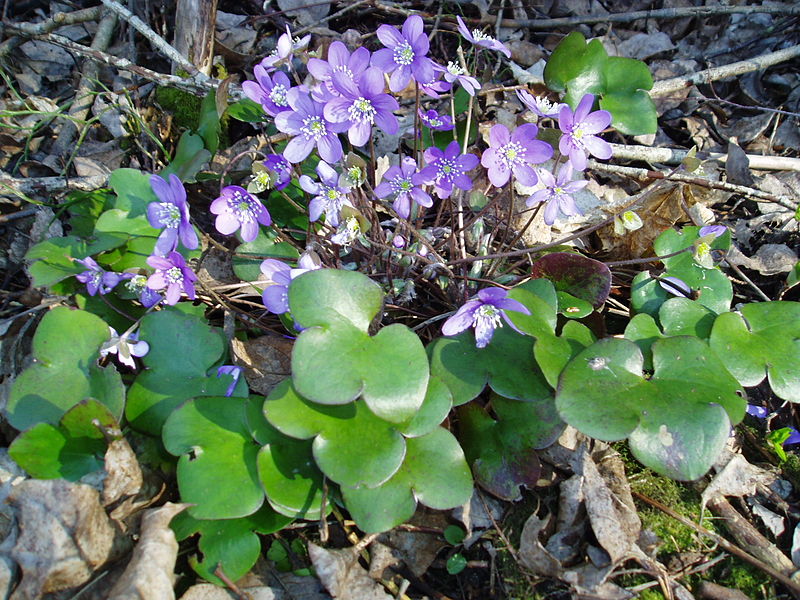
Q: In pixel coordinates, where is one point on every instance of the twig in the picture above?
(60, 19)
(330, 17)
(674, 156)
(665, 86)
(749, 282)
(50, 185)
(218, 572)
(758, 195)
(723, 543)
(158, 42)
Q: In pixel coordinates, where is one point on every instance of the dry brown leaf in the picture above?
(64, 536)
(266, 361)
(532, 553)
(418, 549)
(149, 574)
(289, 587)
(737, 478)
(126, 489)
(342, 576)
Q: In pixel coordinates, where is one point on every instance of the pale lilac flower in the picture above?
(347, 232)
(339, 61)
(171, 213)
(97, 279)
(455, 74)
(794, 437)
(539, 105)
(759, 412)
(715, 230)
(137, 284)
(172, 274)
(404, 55)
(403, 181)
(479, 38)
(329, 195)
(435, 87)
(361, 105)
(279, 275)
(448, 168)
(435, 121)
(307, 123)
(125, 346)
(675, 286)
(557, 193)
(274, 172)
(234, 372)
(513, 153)
(237, 208)
(484, 313)
(285, 50)
(269, 92)
(579, 129)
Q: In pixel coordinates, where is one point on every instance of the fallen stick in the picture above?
(675, 156)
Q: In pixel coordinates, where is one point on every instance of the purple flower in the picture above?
(404, 182)
(435, 121)
(579, 129)
(279, 275)
(479, 38)
(435, 87)
(404, 55)
(675, 286)
(484, 313)
(97, 279)
(275, 172)
(172, 274)
(137, 284)
(448, 168)
(125, 346)
(539, 105)
(234, 372)
(715, 230)
(456, 74)
(339, 61)
(330, 197)
(361, 105)
(269, 92)
(513, 153)
(557, 193)
(307, 123)
(794, 437)
(236, 208)
(285, 50)
(171, 213)
(759, 412)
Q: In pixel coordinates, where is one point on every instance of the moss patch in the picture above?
(184, 107)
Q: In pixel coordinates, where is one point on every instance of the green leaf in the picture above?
(454, 535)
(633, 113)
(435, 408)
(677, 421)
(231, 544)
(456, 564)
(434, 472)
(248, 256)
(190, 156)
(209, 126)
(65, 372)
(172, 377)
(576, 65)
(316, 295)
(246, 110)
(763, 339)
(626, 75)
(572, 307)
(53, 260)
(133, 191)
(575, 274)
(217, 466)
(351, 445)
(553, 352)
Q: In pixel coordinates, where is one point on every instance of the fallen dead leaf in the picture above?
(266, 361)
(737, 478)
(342, 576)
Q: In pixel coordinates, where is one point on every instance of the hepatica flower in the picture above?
(287, 47)
(172, 274)
(274, 172)
(329, 196)
(557, 193)
(435, 121)
(125, 346)
(448, 168)
(484, 313)
(403, 181)
(170, 213)
(137, 284)
(269, 92)
(361, 105)
(477, 37)
(236, 208)
(339, 61)
(456, 74)
(404, 54)
(234, 372)
(279, 275)
(539, 105)
(512, 153)
(307, 123)
(579, 129)
(97, 279)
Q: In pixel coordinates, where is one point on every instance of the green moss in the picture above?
(791, 469)
(185, 107)
(741, 576)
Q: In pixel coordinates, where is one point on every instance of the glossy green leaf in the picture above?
(633, 113)
(434, 473)
(454, 535)
(208, 127)
(190, 156)
(315, 296)
(246, 110)
(572, 307)
(435, 408)
(351, 445)
(171, 377)
(576, 66)
(217, 469)
(65, 372)
(762, 339)
(626, 75)
(456, 563)
(553, 352)
(52, 260)
(677, 421)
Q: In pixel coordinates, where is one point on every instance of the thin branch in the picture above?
(331, 16)
(60, 19)
(50, 185)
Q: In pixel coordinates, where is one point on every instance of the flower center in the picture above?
(489, 316)
(362, 110)
(543, 104)
(511, 154)
(354, 175)
(314, 127)
(244, 207)
(448, 170)
(400, 186)
(136, 284)
(577, 133)
(278, 95)
(558, 190)
(169, 215)
(174, 275)
(480, 36)
(454, 69)
(403, 54)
